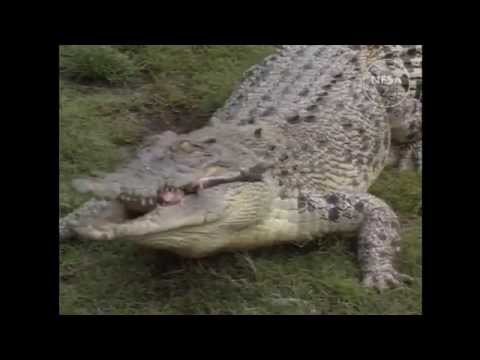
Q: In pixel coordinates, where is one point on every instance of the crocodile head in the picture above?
(228, 215)
(215, 218)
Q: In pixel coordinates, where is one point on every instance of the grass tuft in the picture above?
(93, 63)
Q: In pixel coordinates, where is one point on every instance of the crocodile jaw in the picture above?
(227, 217)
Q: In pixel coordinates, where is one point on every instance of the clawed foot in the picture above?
(385, 279)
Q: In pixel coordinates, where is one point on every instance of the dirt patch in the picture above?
(178, 121)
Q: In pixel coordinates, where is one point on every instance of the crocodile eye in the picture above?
(186, 146)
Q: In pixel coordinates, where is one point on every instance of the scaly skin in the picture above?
(304, 113)
(406, 149)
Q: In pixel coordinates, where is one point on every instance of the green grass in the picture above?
(402, 191)
(93, 63)
(204, 79)
(92, 127)
(99, 119)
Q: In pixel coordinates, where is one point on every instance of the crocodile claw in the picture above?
(386, 279)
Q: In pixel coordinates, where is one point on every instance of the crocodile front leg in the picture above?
(378, 243)
(374, 221)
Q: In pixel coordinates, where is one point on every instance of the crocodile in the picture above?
(305, 115)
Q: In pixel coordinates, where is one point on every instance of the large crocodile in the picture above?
(305, 116)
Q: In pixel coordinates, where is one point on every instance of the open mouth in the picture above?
(169, 195)
(136, 205)
(144, 217)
